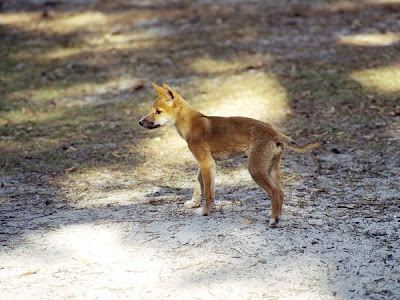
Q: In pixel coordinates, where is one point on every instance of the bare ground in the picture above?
(92, 206)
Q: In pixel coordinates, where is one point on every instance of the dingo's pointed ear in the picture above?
(158, 89)
(172, 94)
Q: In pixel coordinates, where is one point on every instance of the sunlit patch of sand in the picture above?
(382, 79)
(382, 39)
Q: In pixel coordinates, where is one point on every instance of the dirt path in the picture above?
(336, 240)
(92, 205)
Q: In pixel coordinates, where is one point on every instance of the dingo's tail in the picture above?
(301, 149)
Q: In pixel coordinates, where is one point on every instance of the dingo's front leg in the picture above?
(208, 170)
(197, 192)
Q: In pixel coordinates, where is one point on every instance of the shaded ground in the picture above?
(92, 205)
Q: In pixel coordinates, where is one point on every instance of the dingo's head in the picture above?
(164, 110)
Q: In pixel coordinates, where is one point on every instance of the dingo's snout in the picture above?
(148, 124)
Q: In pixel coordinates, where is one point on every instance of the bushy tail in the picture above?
(306, 147)
(301, 149)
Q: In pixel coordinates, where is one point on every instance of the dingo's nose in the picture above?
(141, 122)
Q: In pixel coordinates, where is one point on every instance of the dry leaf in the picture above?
(29, 272)
(245, 221)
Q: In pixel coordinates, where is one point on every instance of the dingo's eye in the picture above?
(158, 111)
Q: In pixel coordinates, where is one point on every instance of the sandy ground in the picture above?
(128, 236)
(338, 239)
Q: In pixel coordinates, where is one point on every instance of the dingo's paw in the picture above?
(192, 203)
(203, 211)
(273, 222)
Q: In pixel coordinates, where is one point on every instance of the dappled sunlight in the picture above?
(207, 65)
(141, 264)
(18, 116)
(97, 32)
(376, 39)
(50, 103)
(382, 79)
(94, 203)
(18, 19)
(95, 45)
(95, 27)
(383, 2)
(210, 65)
(347, 5)
(89, 20)
(340, 5)
(251, 94)
(79, 94)
(102, 249)
(125, 41)
(160, 162)
(57, 23)
(156, 258)
(89, 245)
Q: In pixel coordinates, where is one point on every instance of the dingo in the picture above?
(213, 138)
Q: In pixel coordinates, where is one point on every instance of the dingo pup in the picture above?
(213, 138)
